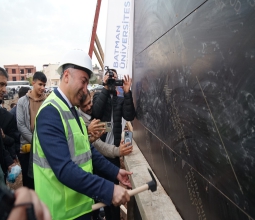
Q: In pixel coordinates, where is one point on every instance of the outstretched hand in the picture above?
(123, 177)
(125, 149)
(95, 127)
(94, 136)
(127, 83)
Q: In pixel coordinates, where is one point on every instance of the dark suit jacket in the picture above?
(52, 138)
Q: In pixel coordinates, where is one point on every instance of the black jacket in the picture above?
(9, 127)
(102, 108)
(5, 158)
(9, 144)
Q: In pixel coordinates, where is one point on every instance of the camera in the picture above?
(111, 82)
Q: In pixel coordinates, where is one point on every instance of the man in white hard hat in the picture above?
(63, 159)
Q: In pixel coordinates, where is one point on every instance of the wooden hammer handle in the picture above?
(130, 192)
(138, 190)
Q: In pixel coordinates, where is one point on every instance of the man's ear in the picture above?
(66, 75)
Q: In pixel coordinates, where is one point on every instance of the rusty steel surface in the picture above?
(194, 92)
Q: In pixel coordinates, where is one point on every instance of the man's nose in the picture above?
(85, 89)
(4, 89)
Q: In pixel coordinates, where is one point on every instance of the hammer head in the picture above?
(153, 183)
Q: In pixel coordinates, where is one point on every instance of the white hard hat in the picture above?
(78, 58)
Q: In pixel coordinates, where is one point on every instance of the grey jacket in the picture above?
(23, 120)
(108, 150)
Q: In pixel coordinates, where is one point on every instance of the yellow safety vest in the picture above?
(63, 202)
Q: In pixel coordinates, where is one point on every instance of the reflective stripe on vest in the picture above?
(62, 201)
(80, 159)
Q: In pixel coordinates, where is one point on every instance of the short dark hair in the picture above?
(84, 97)
(23, 91)
(40, 76)
(3, 72)
(114, 70)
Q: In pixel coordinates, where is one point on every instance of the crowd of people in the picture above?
(66, 155)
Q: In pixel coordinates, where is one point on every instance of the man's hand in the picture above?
(127, 83)
(94, 136)
(25, 196)
(123, 177)
(92, 139)
(105, 80)
(3, 135)
(120, 196)
(95, 127)
(125, 149)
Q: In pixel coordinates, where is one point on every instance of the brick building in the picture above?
(19, 72)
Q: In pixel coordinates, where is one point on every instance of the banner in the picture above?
(119, 37)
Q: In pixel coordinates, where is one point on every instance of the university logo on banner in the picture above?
(119, 37)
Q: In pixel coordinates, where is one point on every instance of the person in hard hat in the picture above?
(63, 159)
(108, 150)
(27, 108)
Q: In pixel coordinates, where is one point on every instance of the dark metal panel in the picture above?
(194, 197)
(194, 93)
(158, 17)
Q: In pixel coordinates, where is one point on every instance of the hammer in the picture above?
(152, 185)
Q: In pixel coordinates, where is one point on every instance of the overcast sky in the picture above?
(39, 32)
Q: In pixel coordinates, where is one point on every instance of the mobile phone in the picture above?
(107, 125)
(7, 199)
(128, 136)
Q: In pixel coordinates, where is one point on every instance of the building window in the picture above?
(14, 78)
(28, 70)
(6, 70)
(22, 78)
(22, 71)
(13, 71)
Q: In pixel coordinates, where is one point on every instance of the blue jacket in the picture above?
(51, 135)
